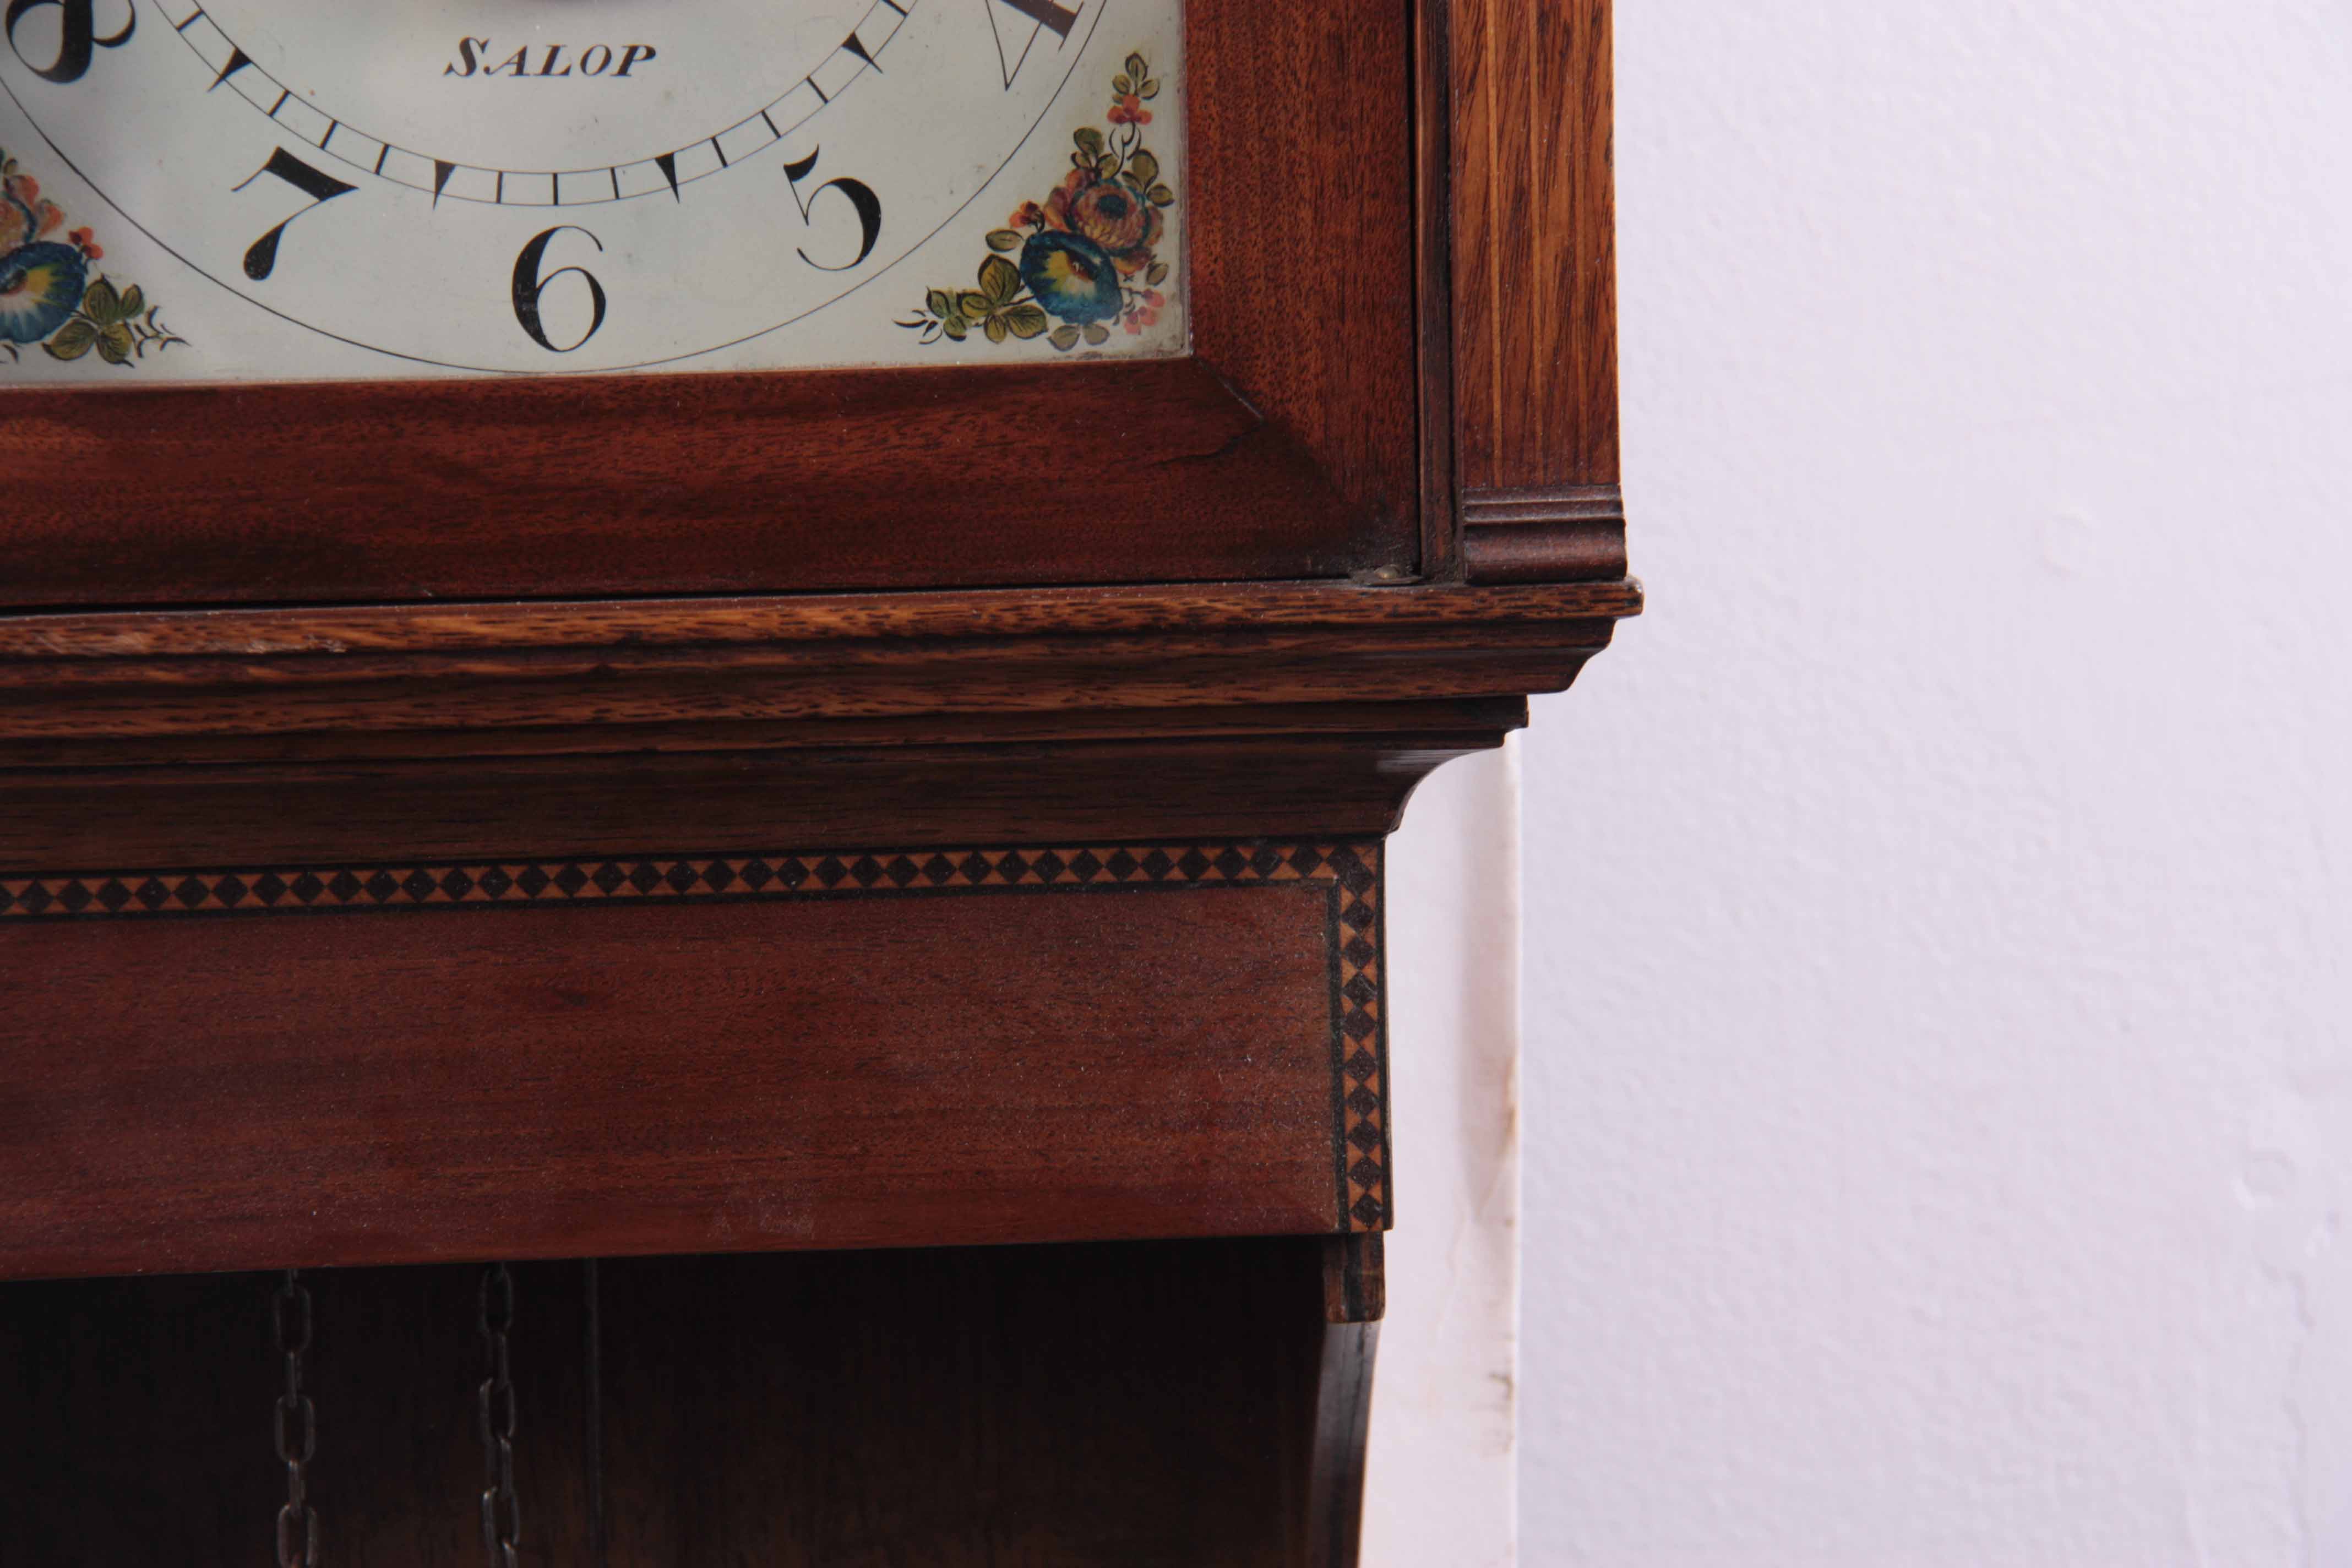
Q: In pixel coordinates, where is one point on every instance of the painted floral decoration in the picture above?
(1085, 260)
(48, 294)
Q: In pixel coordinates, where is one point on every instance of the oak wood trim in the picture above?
(1441, 524)
(951, 657)
(265, 633)
(1534, 275)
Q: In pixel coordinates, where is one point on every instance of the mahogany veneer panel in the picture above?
(405, 1064)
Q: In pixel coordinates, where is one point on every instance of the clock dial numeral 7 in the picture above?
(861, 197)
(77, 39)
(261, 256)
(528, 284)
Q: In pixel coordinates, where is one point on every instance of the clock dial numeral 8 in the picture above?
(78, 40)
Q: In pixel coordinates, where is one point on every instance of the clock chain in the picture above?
(495, 1404)
(296, 1425)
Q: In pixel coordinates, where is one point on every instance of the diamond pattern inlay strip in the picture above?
(293, 889)
(1352, 870)
(1362, 1042)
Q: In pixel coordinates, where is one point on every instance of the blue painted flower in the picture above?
(1071, 276)
(40, 287)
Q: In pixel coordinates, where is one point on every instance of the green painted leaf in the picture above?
(101, 304)
(1004, 239)
(973, 305)
(1065, 338)
(1136, 69)
(955, 326)
(997, 330)
(1000, 280)
(939, 302)
(1150, 89)
(75, 339)
(1026, 321)
(1090, 142)
(1123, 84)
(114, 345)
(1157, 275)
(1097, 334)
(134, 303)
(1143, 168)
(1162, 196)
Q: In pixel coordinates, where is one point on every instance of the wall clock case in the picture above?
(887, 862)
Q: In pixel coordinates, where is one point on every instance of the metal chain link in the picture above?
(501, 1511)
(298, 1521)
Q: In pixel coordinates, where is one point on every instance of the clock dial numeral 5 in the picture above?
(861, 197)
(77, 39)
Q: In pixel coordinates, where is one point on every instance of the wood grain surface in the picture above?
(1535, 252)
(1534, 318)
(390, 1069)
(617, 664)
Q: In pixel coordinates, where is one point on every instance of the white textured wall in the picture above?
(1939, 1048)
(1441, 1471)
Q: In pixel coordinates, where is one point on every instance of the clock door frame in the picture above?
(1286, 446)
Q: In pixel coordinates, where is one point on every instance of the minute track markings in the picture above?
(237, 60)
(228, 63)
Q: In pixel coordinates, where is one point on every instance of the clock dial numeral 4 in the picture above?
(78, 38)
(528, 285)
(861, 197)
(261, 256)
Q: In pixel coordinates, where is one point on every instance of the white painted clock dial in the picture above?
(262, 189)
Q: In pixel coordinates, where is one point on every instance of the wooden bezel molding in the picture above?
(1282, 446)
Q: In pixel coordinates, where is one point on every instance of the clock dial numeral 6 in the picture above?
(861, 197)
(528, 284)
(261, 256)
(77, 39)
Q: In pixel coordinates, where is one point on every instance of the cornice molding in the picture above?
(1545, 534)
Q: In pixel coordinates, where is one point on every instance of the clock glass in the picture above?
(248, 190)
